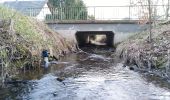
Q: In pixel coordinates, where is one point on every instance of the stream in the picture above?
(89, 75)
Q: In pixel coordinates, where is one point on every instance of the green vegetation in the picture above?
(23, 38)
(22, 25)
(67, 10)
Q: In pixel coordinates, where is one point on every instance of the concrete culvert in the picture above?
(95, 38)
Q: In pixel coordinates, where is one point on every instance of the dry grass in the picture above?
(137, 49)
(26, 38)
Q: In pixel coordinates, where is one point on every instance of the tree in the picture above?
(167, 9)
(150, 26)
(68, 9)
(150, 11)
(145, 13)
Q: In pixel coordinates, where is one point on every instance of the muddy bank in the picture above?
(151, 57)
(22, 40)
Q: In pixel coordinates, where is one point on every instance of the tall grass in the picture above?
(22, 24)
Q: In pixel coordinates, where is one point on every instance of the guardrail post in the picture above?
(129, 13)
(94, 13)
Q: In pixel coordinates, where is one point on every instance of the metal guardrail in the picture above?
(136, 12)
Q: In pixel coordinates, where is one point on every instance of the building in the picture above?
(36, 9)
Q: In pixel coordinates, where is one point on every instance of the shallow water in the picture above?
(88, 76)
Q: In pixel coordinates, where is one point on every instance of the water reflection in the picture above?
(88, 76)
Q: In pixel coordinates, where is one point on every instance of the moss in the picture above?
(160, 62)
(21, 49)
(3, 54)
(18, 64)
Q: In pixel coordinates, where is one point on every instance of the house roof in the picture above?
(31, 8)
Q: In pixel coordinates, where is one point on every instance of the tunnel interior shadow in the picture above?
(95, 38)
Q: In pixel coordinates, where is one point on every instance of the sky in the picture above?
(100, 12)
(107, 12)
(95, 2)
(99, 2)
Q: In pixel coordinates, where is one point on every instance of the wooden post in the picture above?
(149, 61)
(169, 58)
(168, 62)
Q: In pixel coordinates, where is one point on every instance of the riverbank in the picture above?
(22, 40)
(148, 56)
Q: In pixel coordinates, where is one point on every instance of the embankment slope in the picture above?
(22, 40)
(146, 55)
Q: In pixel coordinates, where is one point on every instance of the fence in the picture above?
(137, 12)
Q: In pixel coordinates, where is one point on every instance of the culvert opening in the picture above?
(100, 38)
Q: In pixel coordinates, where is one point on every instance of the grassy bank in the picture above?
(23, 39)
(146, 55)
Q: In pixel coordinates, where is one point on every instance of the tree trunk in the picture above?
(150, 22)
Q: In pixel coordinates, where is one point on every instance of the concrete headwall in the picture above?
(69, 35)
(121, 31)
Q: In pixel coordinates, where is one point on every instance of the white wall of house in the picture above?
(44, 11)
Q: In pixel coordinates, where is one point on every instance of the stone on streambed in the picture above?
(134, 67)
(60, 79)
(54, 94)
(131, 68)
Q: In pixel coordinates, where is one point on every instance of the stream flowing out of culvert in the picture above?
(87, 76)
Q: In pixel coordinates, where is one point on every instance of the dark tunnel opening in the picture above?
(85, 38)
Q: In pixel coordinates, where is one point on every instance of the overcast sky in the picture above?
(101, 2)
(94, 2)
(100, 12)
(108, 12)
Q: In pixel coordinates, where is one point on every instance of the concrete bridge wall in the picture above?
(121, 31)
